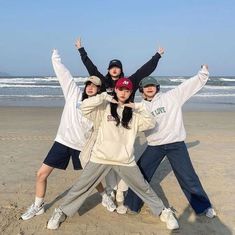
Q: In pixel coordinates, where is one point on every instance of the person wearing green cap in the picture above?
(167, 139)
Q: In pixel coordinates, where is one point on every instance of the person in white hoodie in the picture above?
(167, 139)
(113, 149)
(73, 132)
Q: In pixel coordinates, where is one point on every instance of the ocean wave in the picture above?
(28, 86)
(227, 79)
(169, 87)
(176, 79)
(36, 79)
(137, 95)
(214, 95)
(219, 87)
(33, 96)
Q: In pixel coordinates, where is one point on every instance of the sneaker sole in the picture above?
(52, 228)
(121, 212)
(173, 228)
(168, 226)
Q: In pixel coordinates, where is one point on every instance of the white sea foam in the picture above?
(28, 86)
(34, 96)
(37, 79)
(205, 87)
(220, 87)
(214, 95)
(227, 79)
(177, 79)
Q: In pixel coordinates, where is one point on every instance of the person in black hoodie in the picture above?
(115, 70)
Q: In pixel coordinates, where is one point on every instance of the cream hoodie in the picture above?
(114, 145)
(167, 110)
(74, 129)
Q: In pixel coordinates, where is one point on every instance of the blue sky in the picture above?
(192, 32)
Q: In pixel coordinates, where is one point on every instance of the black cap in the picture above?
(115, 63)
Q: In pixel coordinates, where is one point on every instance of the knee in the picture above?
(41, 175)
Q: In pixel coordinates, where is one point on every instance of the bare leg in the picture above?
(41, 181)
(37, 208)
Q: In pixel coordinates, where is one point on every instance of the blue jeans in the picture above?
(181, 164)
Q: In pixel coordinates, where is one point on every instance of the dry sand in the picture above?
(26, 135)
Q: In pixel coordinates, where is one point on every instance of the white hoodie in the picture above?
(167, 110)
(74, 129)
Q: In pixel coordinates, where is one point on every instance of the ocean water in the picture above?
(218, 94)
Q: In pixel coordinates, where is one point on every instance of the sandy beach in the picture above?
(26, 135)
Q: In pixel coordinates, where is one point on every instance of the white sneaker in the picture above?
(168, 217)
(108, 203)
(112, 195)
(121, 209)
(32, 211)
(210, 213)
(57, 218)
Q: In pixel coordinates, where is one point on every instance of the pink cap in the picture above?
(124, 82)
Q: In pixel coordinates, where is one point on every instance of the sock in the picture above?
(38, 201)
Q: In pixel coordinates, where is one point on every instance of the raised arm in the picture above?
(146, 69)
(66, 80)
(90, 105)
(191, 86)
(91, 68)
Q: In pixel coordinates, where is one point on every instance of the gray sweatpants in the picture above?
(93, 174)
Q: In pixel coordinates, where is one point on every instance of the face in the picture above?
(115, 72)
(123, 94)
(91, 89)
(149, 91)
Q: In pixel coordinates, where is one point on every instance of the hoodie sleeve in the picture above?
(190, 87)
(146, 120)
(68, 85)
(90, 105)
(91, 68)
(144, 71)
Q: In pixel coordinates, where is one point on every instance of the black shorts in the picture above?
(59, 156)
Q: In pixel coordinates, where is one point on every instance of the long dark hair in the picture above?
(84, 94)
(126, 114)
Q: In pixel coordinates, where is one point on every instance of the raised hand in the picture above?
(114, 101)
(78, 43)
(205, 66)
(161, 50)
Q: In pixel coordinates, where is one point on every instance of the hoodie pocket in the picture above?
(109, 151)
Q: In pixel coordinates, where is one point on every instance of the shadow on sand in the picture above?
(200, 225)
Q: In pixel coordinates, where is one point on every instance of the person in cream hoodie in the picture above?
(113, 149)
(167, 139)
(73, 132)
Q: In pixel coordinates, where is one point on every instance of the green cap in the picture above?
(148, 81)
